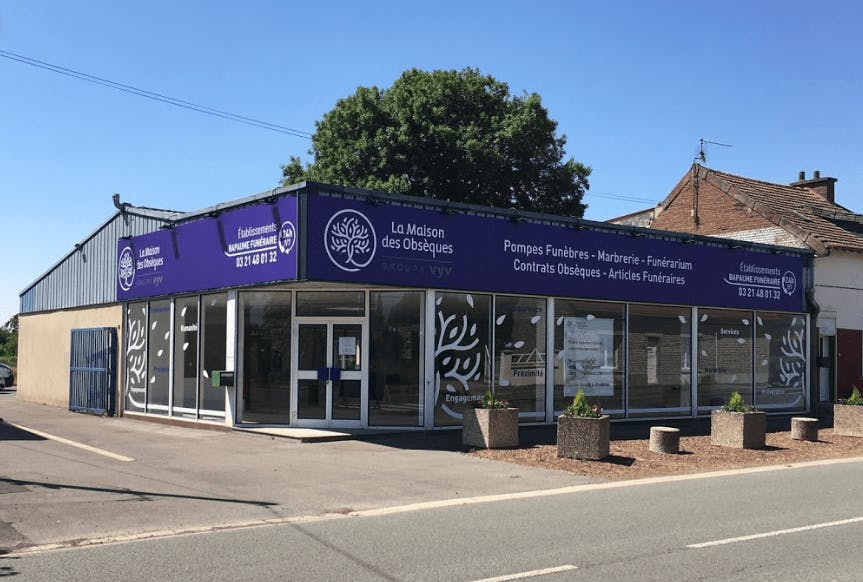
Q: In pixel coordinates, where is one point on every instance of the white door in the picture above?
(330, 387)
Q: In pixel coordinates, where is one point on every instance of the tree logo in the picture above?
(789, 282)
(126, 269)
(350, 240)
(287, 237)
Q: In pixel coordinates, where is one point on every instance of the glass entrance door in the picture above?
(330, 389)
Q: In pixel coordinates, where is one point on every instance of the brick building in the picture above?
(801, 214)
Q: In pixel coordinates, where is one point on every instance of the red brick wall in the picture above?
(718, 213)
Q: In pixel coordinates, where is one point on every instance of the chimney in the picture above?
(824, 187)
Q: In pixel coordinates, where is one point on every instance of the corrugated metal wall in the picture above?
(87, 275)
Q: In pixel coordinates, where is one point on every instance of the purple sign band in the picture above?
(248, 245)
(359, 242)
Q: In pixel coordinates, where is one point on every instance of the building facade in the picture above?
(802, 214)
(327, 307)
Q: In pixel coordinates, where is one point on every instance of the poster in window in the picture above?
(588, 354)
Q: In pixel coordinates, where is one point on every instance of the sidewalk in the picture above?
(53, 491)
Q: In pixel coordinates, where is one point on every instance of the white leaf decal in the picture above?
(560, 320)
(159, 353)
(183, 311)
(504, 383)
(758, 317)
(476, 377)
(439, 299)
(205, 374)
(155, 323)
(185, 346)
(473, 329)
(519, 344)
(446, 360)
(768, 336)
(535, 319)
(590, 317)
(704, 353)
(500, 319)
(469, 299)
(450, 388)
(153, 380)
(741, 340)
(704, 317)
(745, 321)
(763, 362)
(167, 334)
(682, 318)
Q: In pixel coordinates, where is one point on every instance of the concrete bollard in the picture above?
(804, 429)
(664, 439)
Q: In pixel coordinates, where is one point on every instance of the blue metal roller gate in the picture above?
(92, 370)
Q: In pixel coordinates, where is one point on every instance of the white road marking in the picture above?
(52, 437)
(778, 532)
(530, 574)
(76, 544)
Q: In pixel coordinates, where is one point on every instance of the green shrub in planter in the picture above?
(738, 425)
(583, 432)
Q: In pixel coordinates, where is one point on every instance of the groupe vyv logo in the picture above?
(350, 240)
(126, 269)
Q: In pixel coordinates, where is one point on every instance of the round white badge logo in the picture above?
(789, 282)
(350, 240)
(126, 269)
(287, 237)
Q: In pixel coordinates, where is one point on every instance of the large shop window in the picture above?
(159, 357)
(588, 354)
(461, 354)
(780, 361)
(724, 355)
(185, 355)
(519, 340)
(659, 360)
(213, 348)
(136, 357)
(266, 388)
(395, 353)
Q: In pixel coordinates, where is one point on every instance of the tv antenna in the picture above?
(702, 155)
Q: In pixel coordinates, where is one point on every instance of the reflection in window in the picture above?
(331, 303)
(780, 361)
(659, 360)
(159, 357)
(519, 339)
(213, 342)
(588, 348)
(724, 355)
(136, 357)
(395, 352)
(185, 354)
(266, 356)
(461, 352)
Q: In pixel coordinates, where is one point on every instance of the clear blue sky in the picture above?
(633, 86)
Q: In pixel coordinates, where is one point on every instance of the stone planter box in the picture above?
(848, 420)
(583, 438)
(490, 428)
(739, 430)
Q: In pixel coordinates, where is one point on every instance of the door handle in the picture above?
(329, 374)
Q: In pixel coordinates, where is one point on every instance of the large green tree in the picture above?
(456, 135)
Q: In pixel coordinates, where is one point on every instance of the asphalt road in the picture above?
(642, 533)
